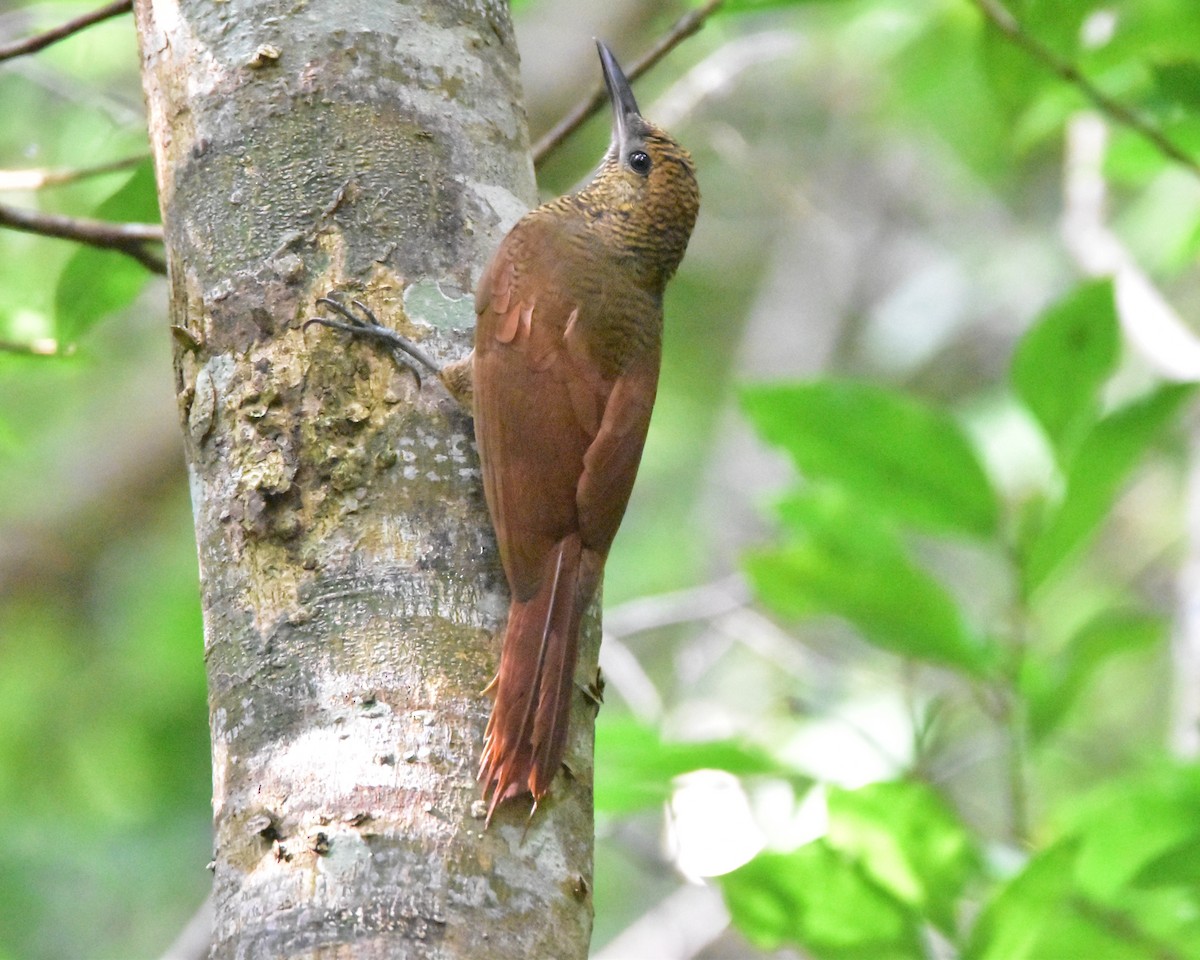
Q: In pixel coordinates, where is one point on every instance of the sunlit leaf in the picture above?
(906, 459)
(908, 840)
(841, 559)
(1062, 362)
(819, 899)
(1132, 159)
(94, 282)
(638, 768)
(1098, 471)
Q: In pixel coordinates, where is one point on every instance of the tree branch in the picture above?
(127, 238)
(684, 27)
(37, 42)
(38, 177)
(1000, 18)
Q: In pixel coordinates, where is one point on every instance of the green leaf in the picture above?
(1041, 914)
(909, 842)
(1097, 473)
(1126, 824)
(906, 459)
(1178, 865)
(1087, 896)
(1064, 359)
(937, 83)
(841, 559)
(1132, 159)
(1135, 160)
(95, 282)
(817, 898)
(1053, 689)
(637, 768)
(1179, 82)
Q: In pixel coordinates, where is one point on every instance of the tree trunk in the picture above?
(352, 593)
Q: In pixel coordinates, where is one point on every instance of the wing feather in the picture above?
(562, 404)
(560, 429)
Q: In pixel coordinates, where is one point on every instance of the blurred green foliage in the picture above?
(96, 283)
(895, 857)
(648, 764)
(1012, 602)
(1080, 892)
(1104, 868)
(841, 559)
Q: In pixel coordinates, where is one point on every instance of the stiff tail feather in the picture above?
(527, 733)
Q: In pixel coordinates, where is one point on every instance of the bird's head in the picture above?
(646, 181)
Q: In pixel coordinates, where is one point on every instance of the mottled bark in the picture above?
(351, 589)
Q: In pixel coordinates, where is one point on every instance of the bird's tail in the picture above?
(527, 733)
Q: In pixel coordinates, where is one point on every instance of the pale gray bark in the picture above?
(351, 589)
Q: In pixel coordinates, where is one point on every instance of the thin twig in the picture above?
(999, 17)
(684, 27)
(621, 667)
(127, 238)
(35, 43)
(1011, 713)
(38, 177)
(1153, 326)
(682, 925)
(704, 602)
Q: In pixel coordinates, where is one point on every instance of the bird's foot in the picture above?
(364, 324)
(593, 692)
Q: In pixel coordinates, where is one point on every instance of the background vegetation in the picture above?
(900, 640)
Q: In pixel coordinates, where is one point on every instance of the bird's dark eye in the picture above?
(639, 162)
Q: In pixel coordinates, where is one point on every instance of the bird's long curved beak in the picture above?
(620, 94)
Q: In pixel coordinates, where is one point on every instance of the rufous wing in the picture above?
(559, 437)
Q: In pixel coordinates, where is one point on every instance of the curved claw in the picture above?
(320, 321)
(529, 821)
(339, 307)
(403, 350)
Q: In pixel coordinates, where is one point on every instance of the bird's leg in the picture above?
(404, 351)
(456, 377)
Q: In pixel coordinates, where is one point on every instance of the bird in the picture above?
(561, 382)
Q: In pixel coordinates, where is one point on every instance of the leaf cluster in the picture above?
(879, 472)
